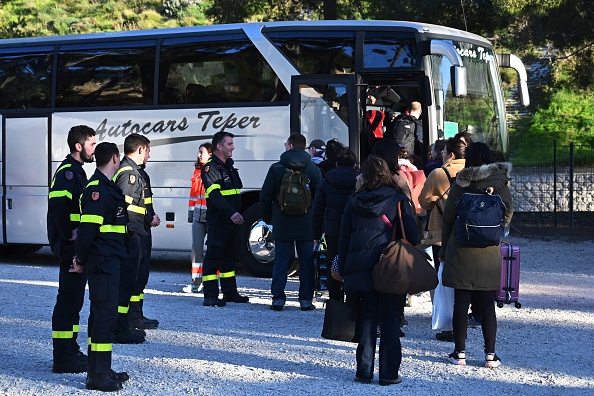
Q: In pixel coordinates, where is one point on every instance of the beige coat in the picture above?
(434, 194)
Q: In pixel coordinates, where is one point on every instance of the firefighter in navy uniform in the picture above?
(63, 217)
(135, 314)
(129, 179)
(223, 202)
(100, 247)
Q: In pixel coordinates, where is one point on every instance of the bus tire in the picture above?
(257, 246)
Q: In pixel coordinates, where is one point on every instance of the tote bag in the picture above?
(340, 321)
(402, 268)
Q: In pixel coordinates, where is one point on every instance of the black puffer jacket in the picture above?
(331, 198)
(363, 234)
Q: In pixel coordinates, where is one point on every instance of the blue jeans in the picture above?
(385, 309)
(282, 258)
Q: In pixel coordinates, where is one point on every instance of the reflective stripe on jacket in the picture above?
(197, 194)
(130, 181)
(65, 189)
(103, 225)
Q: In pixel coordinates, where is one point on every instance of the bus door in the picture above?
(325, 107)
(25, 180)
(388, 96)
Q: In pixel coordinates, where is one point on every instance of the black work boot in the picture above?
(144, 323)
(78, 355)
(122, 377)
(236, 298)
(127, 337)
(103, 382)
(72, 365)
(147, 321)
(213, 302)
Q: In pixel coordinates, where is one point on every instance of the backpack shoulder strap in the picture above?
(452, 180)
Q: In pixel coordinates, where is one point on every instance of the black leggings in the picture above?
(485, 299)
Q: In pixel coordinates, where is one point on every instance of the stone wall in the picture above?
(533, 190)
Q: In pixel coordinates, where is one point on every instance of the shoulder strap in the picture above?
(390, 226)
(451, 180)
(401, 223)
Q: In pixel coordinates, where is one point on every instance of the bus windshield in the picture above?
(481, 112)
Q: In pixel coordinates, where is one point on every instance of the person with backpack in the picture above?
(404, 127)
(285, 202)
(433, 197)
(471, 255)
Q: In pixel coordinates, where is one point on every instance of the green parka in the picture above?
(286, 227)
(470, 268)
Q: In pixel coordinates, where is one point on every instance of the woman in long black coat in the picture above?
(363, 236)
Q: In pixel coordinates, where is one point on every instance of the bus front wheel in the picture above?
(257, 245)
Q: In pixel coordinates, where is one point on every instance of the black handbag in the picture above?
(341, 321)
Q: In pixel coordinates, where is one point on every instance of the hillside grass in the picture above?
(568, 117)
(30, 18)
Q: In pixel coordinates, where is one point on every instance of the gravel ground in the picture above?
(249, 350)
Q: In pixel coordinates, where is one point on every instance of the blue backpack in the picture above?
(480, 219)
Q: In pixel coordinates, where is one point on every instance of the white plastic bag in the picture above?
(443, 305)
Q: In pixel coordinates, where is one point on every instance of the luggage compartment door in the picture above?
(26, 179)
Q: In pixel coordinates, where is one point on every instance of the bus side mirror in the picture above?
(458, 79)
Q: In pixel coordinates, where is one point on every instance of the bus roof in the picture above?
(433, 31)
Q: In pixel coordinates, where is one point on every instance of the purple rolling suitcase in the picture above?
(510, 276)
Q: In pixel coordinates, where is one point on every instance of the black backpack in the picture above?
(480, 219)
(294, 197)
(403, 130)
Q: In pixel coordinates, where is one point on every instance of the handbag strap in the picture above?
(394, 229)
(390, 226)
(401, 223)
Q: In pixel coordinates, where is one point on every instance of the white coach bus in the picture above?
(259, 81)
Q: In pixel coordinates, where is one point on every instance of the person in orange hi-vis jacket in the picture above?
(197, 216)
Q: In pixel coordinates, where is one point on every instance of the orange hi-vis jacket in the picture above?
(197, 198)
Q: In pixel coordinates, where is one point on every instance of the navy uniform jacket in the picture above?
(103, 220)
(130, 181)
(222, 187)
(63, 211)
(148, 197)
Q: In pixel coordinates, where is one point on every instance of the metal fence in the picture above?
(554, 187)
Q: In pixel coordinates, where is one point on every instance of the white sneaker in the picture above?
(492, 360)
(457, 358)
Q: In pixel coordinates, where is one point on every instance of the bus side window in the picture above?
(170, 95)
(25, 81)
(218, 69)
(89, 77)
(196, 93)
